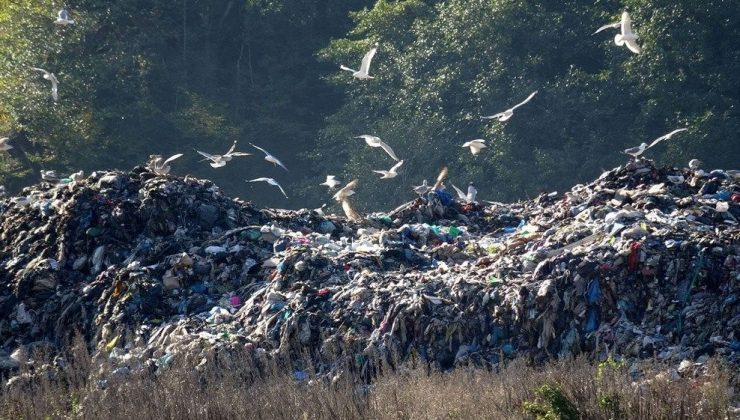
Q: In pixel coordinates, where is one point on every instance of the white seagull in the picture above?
(331, 182)
(4, 146)
(54, 82)
(270, 158)
(160, 166)
(50, 176)
(503, 116)
(77, 176)
(346, 191)
(392, 173)
(364, 72)
(218, 161)
(470, 196)
(63, 18)
(475, 145)
(422, 189)
(637, 151)
(2, 191)
(627, 37)
(373, 141)
(271, 182)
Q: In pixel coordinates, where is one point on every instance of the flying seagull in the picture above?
(503, 116)
(392, 173)
(346, 191)
(373, 141)
(627, 37)
(364, 72)
(470, 196)
(218, 161)
(475, 145)
(54, 82)
(270, 158)
(4, 146)
(441, 178)
(160, 166)
(637, 151)
(271, 182)
(331, 182)
(63, 18)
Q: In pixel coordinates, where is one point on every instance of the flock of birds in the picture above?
(161, 166)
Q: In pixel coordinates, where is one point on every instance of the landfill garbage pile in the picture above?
(643, 262)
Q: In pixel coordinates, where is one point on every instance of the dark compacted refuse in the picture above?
(644, 262)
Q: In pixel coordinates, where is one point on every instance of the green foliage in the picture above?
(440, 66)
(551, 404)
(142, 77)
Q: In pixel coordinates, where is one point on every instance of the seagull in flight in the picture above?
(627, 37)
(637, 151)
(346, 191)
(218, 161)
(468, 197)
(4, 146)
(54, 82)
(63, 18)
(503, 116)
(270, 158)
(475, 145)
(373, 141)
(392, 173)
(160, 166)
(331, 182)
(364, 72)
(271, 182)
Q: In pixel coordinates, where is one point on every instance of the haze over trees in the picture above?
(161, 77)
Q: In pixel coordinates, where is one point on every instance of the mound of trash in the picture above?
(644, 262)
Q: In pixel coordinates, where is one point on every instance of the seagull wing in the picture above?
(343, 67)
(54, 86)
(610, 25)
(240, 154)
(626, 23)
(666, 136)
(231, 150)
(494, 116)
(63, 15)
(384, 173)
(396, 166)
(365, 66)
(529, 98)
(632, 45)
(259, 180)
(260, 149)
(441, 177)
(206, 155)
(171, 158)
(460, 194)
(275, 183)
(388, 150)
(41, 70)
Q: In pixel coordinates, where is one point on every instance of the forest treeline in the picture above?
(142, 77)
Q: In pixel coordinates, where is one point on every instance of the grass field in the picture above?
(238, 389)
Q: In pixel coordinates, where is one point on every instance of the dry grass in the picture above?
(239, 388)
